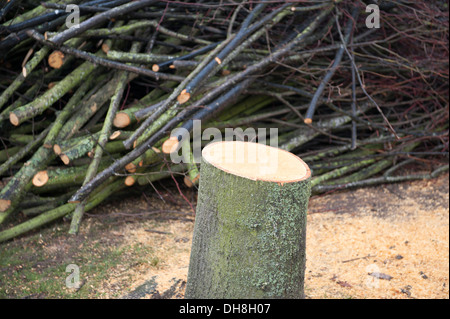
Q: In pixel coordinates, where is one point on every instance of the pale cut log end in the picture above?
(130, 180)
(56, 59)
(105, 48)
(40, 179)
(183, 97)
(5, 204)
(115, 135)
(155, 67)
(130, 167)
(170, 145)
(308, 121)
(65, 159)
(121, 120)
(256, 161)
(191, 182)
(14, 119)
(57, 149)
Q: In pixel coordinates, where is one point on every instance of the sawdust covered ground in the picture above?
(379, 242)
(390, 241)
(398, 233)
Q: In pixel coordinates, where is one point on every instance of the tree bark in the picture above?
(250, 231)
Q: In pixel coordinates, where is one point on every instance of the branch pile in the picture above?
(87, 111)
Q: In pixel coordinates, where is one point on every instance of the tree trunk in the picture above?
(250, 227)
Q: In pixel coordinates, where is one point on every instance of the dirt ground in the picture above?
(390, 241)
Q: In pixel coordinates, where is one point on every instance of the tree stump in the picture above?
(250, 226)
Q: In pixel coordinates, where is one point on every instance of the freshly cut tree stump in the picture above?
(250, 226)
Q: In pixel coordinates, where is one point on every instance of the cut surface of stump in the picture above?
(256, 161)
(250, 227)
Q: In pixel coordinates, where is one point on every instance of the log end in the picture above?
(308, 121)
(183, 97)
(256, 162)
(14, 119)
(131, 168)
(115, 135)
(40, 179)
(56, 59)
(5, 204)
(130, 180)
(57, 149)
(155, 67)
(65, 159)
(170, 145)
(105, 48)
(121, 120)
(191, 182)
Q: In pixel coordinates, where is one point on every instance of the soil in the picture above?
(390, 241)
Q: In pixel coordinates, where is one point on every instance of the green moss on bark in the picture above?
(249, 238)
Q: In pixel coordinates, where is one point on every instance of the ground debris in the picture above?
(380, 275)
(406, 290)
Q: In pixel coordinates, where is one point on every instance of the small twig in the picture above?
(365, 257)
(158, 232)
(179, 189)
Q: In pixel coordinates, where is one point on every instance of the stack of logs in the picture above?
(87, 107)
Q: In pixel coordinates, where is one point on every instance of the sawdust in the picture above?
(398, 230)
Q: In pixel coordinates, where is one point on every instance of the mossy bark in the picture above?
(249, 238)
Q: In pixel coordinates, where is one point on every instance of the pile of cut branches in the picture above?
(90, 92)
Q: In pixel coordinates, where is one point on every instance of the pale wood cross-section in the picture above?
(256, 161)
